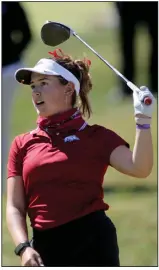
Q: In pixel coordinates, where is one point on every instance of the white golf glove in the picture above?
(141, 108)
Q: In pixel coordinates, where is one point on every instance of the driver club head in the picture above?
(53, 33)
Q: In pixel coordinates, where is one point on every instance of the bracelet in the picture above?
(145, 126)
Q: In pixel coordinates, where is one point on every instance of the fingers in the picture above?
(143, 102)
(142, 94)
(38, 259)
(135, 96)
(144, 88)
(35, 260)
(31, 262)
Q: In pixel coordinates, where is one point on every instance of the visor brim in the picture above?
(23, 75)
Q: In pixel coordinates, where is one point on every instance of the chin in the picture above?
(41, 113)
(44, 114)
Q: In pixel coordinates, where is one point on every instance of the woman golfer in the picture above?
(56, 172)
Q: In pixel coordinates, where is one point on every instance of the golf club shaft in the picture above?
(133, 87)
(105, 61)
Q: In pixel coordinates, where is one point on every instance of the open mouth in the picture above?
(38, 103)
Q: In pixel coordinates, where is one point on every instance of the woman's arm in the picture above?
(16, 220)
(137, 163)
(16, 210)
(143, 152)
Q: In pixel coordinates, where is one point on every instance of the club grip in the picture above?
(147, 101)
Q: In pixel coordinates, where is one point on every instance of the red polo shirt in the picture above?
(62, 178)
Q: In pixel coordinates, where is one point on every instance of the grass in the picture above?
(133, 202)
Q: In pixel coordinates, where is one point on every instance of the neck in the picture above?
(68, 119)
(58, 113)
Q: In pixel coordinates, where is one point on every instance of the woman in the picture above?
(55, 172)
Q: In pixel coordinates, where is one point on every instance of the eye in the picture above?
(32, 86)
(43, 83)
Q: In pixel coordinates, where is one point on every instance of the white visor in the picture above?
(47, 67)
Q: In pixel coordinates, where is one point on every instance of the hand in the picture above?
(29, 257)
(142, 110)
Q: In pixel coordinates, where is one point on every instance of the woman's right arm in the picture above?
(16, 220)
(16, 210)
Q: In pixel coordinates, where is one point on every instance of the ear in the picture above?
(69, 89)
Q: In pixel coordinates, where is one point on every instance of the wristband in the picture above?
(21, 247)
(145, 126)
(142, 121)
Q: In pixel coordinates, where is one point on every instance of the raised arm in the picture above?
(138, 163)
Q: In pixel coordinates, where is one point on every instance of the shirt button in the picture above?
(57, 133)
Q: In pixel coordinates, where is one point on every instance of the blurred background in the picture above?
(129, 43)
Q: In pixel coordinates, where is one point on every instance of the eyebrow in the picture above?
(45, 78)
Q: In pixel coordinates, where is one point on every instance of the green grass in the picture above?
(133, 202)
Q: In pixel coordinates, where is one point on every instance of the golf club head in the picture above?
(53, 33)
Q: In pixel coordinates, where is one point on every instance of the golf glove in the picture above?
(141, 108)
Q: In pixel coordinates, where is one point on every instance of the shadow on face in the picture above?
(49, 95)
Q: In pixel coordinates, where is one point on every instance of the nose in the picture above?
(36, 91)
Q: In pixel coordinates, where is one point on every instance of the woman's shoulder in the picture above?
(23, 137)
(105, 133)
(102, 133)
(100, 129)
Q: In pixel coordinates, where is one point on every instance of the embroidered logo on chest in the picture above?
(71, 138)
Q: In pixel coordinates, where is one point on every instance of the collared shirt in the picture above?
(63, 174)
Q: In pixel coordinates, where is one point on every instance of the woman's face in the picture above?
(48, 94)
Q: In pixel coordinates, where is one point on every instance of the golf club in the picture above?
(53, 34)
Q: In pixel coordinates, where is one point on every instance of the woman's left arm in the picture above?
(138, 163)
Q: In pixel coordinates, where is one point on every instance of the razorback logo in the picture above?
(71, 138)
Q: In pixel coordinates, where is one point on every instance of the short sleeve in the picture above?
(14, 166)
(111, 140)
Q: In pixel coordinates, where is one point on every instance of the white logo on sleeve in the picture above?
(71, 138)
